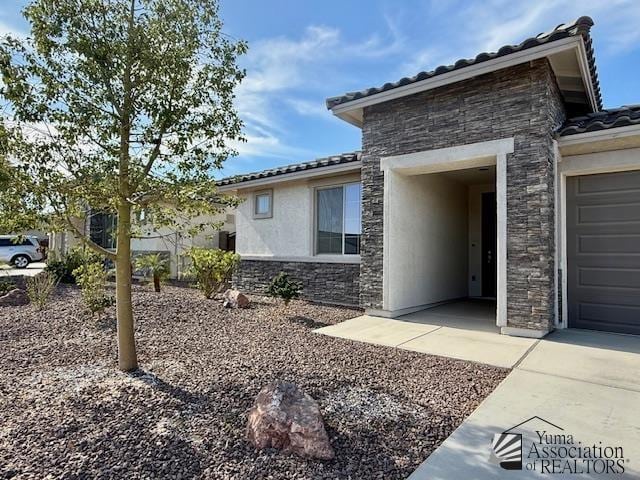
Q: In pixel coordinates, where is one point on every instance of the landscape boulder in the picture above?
(286, 418)
(235, 299)
(14, 298)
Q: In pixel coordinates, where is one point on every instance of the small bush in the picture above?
(283, 287)
(92, 279)
(40, 288)
(155, 266)
(62, 268)
(6, 286)
(212, 269)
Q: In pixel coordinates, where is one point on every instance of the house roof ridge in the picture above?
(341, 158)
(581, 26)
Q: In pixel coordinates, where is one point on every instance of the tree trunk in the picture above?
(156, 283)
(127, 359)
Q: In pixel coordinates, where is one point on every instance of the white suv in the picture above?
(19, 251)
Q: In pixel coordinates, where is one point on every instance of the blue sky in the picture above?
(304, 51)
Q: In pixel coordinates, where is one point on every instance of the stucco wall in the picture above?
(289, 232)
(522, 102)
(286, 233)
(427, 221)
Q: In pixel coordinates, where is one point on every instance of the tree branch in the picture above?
(88, 242)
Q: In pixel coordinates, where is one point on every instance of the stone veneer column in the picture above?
(522, 102)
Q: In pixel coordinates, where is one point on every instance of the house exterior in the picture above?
(497, 177)
(169, 243)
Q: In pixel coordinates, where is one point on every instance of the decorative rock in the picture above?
(235, 299)
(14, 298)
(286, 418)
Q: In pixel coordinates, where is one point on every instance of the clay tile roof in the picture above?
(581, 27)
(298, 167)
(602, 120)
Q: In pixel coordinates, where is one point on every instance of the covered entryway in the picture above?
(603, 251)
(444, 232)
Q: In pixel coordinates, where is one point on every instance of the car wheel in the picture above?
(21, 261)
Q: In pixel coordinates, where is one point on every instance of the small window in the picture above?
(338, 220)
(263, 204)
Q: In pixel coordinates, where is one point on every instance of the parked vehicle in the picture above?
(20, 251)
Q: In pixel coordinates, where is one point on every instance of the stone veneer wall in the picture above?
(337, 283)
(523, 102)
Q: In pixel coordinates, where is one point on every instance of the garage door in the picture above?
(603, 250)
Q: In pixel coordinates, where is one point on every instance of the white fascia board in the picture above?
(583, 62)
(599, 135)
(289, 177)
(448, 157)
(465, 73)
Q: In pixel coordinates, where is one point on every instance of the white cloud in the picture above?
(6, 29)
(285, 76)
(505, 22)
(308, 108)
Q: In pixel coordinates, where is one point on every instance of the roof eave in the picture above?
(351, 111)
(293, 176)
(615, 138)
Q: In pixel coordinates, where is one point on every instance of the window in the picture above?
(102, 229)
(338, 220)
(263, 204)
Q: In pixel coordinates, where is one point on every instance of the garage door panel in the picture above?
(610, 278)
(606, 243)
(623, 314)
(603, 252)
(610, 183)
(609, 213)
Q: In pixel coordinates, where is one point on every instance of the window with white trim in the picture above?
(338, 219)
(263, 204)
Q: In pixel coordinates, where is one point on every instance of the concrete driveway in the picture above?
(575, 383)
(32, 270)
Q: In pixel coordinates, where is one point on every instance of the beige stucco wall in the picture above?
(289, 233)
(425, 240)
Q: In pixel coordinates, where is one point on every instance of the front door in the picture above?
(489, 244)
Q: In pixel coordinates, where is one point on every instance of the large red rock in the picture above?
(235, 299)
(286, 418)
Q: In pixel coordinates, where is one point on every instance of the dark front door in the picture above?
(489, 244)
(603, 252)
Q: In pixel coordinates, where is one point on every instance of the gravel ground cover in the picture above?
(67, 412)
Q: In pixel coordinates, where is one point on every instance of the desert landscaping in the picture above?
(69, 412)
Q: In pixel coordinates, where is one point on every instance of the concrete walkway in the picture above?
(435, 338)
(31, 271)
(586, 384)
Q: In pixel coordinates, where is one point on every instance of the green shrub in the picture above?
(6, 286)
(62, 268)
(40, 288)
(212, 269)
(155, 266)
(283, 287)
(92, 280)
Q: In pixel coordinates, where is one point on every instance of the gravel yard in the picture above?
(67, 412)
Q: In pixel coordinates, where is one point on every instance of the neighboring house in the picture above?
(170, 243)
(497, 177)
